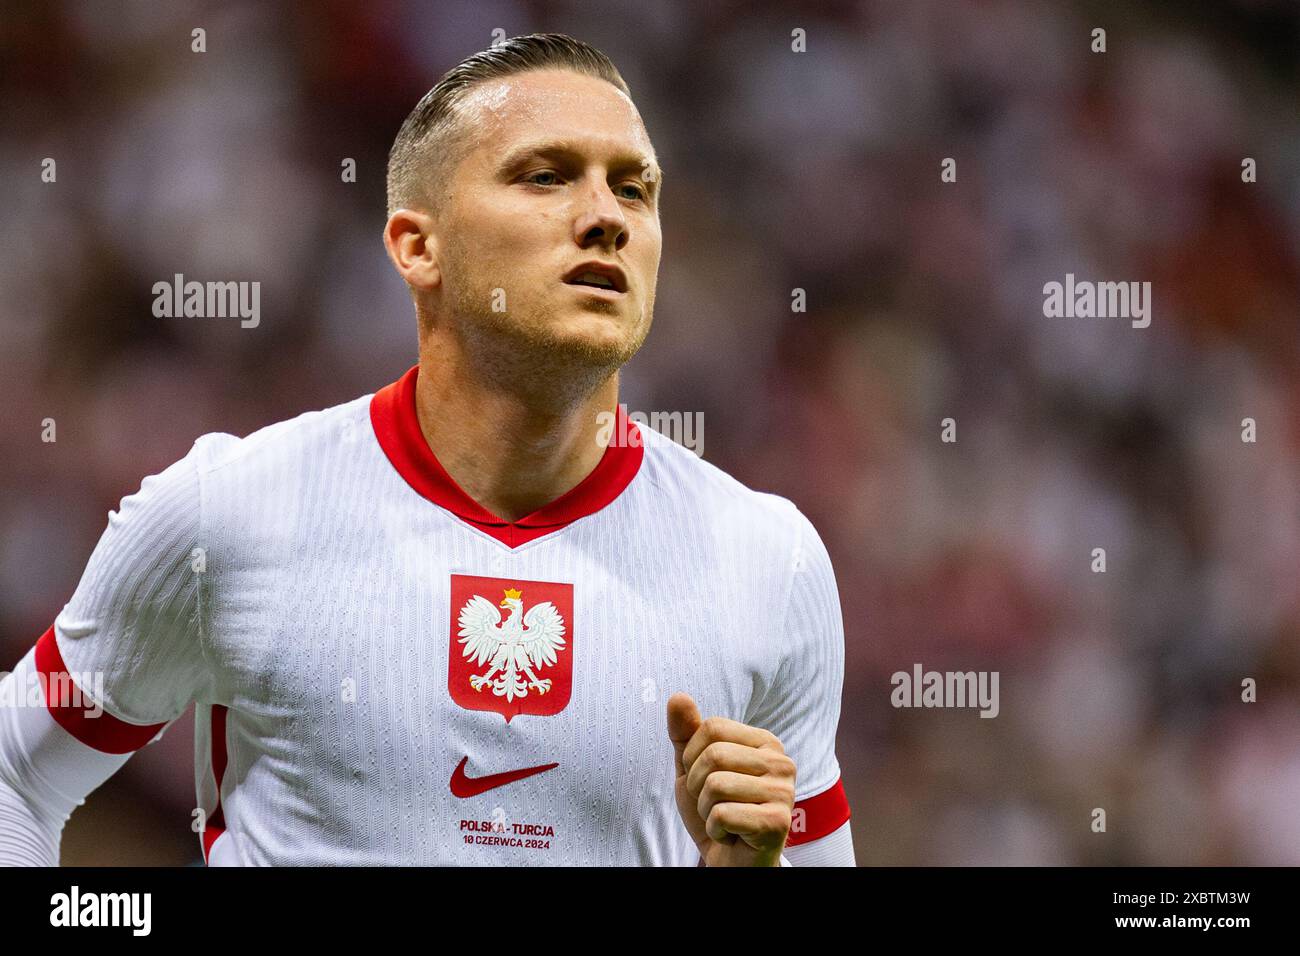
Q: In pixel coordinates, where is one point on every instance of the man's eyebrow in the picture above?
(559, 148)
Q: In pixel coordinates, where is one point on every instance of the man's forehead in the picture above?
(552, 105)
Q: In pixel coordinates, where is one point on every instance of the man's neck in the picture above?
(508, 454)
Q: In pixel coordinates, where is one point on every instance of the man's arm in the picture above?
(802, 706)
(121, 662)
(745, 789)
(45, 772)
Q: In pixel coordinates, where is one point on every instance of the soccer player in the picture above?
(476, 617)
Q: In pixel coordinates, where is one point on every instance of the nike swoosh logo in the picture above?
(463, 786)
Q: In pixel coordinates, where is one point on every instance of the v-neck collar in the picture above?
(397, 428)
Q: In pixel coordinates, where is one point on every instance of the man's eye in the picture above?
(532, 177)
(640, 193)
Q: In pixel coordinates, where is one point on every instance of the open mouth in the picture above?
(600, 276)
(594, 281)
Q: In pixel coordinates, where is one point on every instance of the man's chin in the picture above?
(562, 338)
(593, 336)
(603, 343)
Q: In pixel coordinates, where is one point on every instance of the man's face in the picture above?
(558, 172)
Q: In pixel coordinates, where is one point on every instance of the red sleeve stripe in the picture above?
(822, 814)
(103, 731)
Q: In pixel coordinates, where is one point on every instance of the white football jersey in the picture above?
(385, 673)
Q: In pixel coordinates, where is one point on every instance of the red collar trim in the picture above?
(393, 416)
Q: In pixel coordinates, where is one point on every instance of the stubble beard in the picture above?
(520, 349)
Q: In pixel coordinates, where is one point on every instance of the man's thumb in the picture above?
(683, 721)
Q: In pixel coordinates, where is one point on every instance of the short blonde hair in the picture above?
(430, 136)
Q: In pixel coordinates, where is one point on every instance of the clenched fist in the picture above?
(735, 786)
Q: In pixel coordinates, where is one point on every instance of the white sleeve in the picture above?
(834, 849)
(801, 705)
(121, 662)
(45, 772)
(133, 623)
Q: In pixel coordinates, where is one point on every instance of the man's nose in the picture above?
(601, 221)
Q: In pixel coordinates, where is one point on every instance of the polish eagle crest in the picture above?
(514, 650)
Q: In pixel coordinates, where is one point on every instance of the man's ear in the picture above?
(412, 245)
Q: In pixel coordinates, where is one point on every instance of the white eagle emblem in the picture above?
(513, 648)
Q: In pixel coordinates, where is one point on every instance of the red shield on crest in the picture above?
(511, 645)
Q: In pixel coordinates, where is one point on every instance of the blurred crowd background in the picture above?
(817, 170)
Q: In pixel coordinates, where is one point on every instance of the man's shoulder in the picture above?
(682, 475)
(282, 443)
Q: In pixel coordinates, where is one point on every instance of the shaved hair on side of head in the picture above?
(433, 137)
